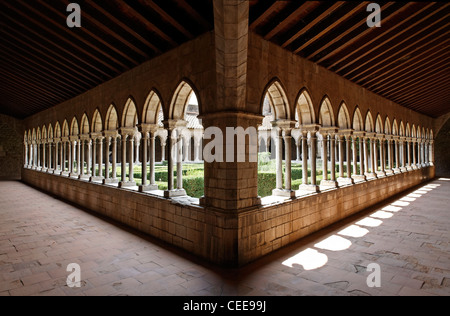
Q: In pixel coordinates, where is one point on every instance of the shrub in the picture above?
(266, 183)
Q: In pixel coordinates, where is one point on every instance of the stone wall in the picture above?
(11, 148)
(442, 151)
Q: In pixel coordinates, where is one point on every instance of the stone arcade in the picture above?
(241, 79)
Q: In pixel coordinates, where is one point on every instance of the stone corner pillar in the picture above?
(231, 162)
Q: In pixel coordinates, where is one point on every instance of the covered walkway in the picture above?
(408, 237)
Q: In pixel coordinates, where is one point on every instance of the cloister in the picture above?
(369, 150)
(114, 116)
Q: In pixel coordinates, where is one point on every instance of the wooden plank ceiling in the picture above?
(405, 60)
(43, 62)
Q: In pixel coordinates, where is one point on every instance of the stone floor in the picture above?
(408, 237)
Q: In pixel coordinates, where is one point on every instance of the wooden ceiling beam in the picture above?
(391, 21)
(32, 80)
(60, 60)
(65, 39)
(149, 25)
(292, 17)
(332, 26)
(392, 48)
(62, 49)
(167, 17)
(404, 79)
(313, 23)
(194, 14)
(95, 37)
(419, 85)
(122, 25)
(38, 63)
(341, 35)
(421, 88)
(428, 55)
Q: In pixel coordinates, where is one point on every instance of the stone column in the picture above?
(89, 155)
(414, 166)
(131, 162)
(173, 129)
(94, 159)
(50, 156)
(179, 157)
(362, 168)
(114, 160)
(288, 159)
(333, 157)
(432, 152)
(382, 172)
(382, 156)
(408, 153)
(348, 156)
(284, 132)
(341, 156)
(82, 158)
(25, 163)
(325, 156)
(326, 183)
(153, 185)
(360, 176)
(123, 175)
(57, 149)
(107, 146)
(38, 155)
(397, 155)
(79, 164)
(148, 135)
(355, 155)
(304, 158)
(44, 164)
(375, 155)
(196, 150)
(279, 158)
(100, 159)
(313, 159)
(403, 154)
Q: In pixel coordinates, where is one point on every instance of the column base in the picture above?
(370, 175)
(73, 175)
(84, 177)
(309, 187)
(328, 184)
(359, 178)
(345, 181)
(110, 181)
(127, 184)
(174, 193)
(381, 174)
(397, 170)
(409, 168)
(50, 170)
(146, 188)
(283, 193)
(403, 169)
(389, 172)
(95, 179)
(57, 172)
(44, 169)
(415, 167)
(64, 174)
